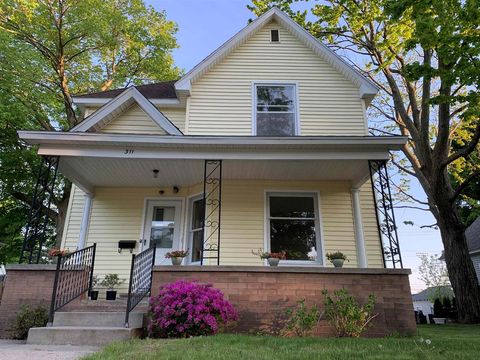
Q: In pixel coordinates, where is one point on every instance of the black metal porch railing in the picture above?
(383, 202)
(141, 273)
(73, 277)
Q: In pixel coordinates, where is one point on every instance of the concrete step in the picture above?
(69, 335)
(118, 305)
(97, 319)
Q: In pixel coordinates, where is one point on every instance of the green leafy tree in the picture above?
(51, 49)
(424, 56)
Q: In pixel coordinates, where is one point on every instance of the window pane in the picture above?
(163, 216)
(295, 237)
(292, 206)
(275, 124)
(197, 214)
(162, 238)
(275, 95)
(197, 244)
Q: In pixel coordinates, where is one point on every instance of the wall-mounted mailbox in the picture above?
(126, 245)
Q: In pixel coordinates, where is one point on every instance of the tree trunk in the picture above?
(460, 267)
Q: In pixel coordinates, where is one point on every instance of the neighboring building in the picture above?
(423, 301)
(473, 240)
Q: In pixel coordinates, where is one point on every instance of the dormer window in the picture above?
(275, 110)
(274, 35)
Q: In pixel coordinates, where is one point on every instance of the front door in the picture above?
(162, 228)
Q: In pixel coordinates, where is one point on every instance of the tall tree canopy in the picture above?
(51, 49)
(425, 56)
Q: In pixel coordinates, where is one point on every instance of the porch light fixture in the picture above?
(155, 173)
(176, 189)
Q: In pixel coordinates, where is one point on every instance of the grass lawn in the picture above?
(447, 342)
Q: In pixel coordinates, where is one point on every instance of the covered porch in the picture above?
(222, 197)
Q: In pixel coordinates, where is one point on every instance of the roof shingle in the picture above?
(160, 90)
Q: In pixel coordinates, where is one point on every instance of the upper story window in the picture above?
(275, 110)
(274, 35)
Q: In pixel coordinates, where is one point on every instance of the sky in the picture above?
(206, 24)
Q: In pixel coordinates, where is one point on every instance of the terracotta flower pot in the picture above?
(176, 261)
(273, 261)
(338, 263)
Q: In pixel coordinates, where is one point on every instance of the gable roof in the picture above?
(429, 293)
(472, 233)
(118, 105)
(159, 90)
(367, 89)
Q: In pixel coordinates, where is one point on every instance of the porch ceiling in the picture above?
(90, 172)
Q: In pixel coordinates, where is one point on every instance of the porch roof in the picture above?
(97, 160)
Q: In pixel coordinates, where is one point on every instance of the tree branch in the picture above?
(464, 184)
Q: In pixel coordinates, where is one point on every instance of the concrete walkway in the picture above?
(18, 350)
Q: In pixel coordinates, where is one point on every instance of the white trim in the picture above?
(52, 137)
(320, 261)
(126, 98)
(359, 234)
(200, 154)
(85, 223)
(256, 83)
(367, 89)
(93, 101)
(188, 217)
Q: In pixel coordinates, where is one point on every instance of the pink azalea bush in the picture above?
(184, 309)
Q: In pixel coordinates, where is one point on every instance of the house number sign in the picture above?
(129, 151)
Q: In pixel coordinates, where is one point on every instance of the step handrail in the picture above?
(73, 277)
(140, 283)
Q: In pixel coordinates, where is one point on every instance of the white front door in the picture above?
(162, 228)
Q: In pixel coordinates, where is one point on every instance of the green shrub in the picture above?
(346, 315)
(301, 320)
(27, 318)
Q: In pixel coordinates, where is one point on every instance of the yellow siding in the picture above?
(133, 121)
(176, 116)
(221, 100)
(117, 214)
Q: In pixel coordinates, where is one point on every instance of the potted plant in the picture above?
(94, 293)
(273, 258)
(177, 256)
(54, 251)
(111, 281)
(337, 258)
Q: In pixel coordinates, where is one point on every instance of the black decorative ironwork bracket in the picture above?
(387, 228)
(212, 201)
(43, 194)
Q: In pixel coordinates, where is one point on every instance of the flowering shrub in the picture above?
(184, 309)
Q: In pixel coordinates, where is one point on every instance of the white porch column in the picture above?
(82, 238)
(357, 219)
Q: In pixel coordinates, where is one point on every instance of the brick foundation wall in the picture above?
(261, 294)
(24, 285)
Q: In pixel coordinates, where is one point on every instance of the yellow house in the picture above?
(263, 146)
(273, 118)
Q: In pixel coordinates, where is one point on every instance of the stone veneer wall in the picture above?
(24, 285)
(261, 294)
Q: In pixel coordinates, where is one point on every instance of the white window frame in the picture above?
(320, 260)
(189, 230)
(296, 112)
(279, 40)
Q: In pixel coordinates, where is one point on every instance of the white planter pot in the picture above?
(439, 321)
(338, 263)
(176, 261)
(273, 261)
